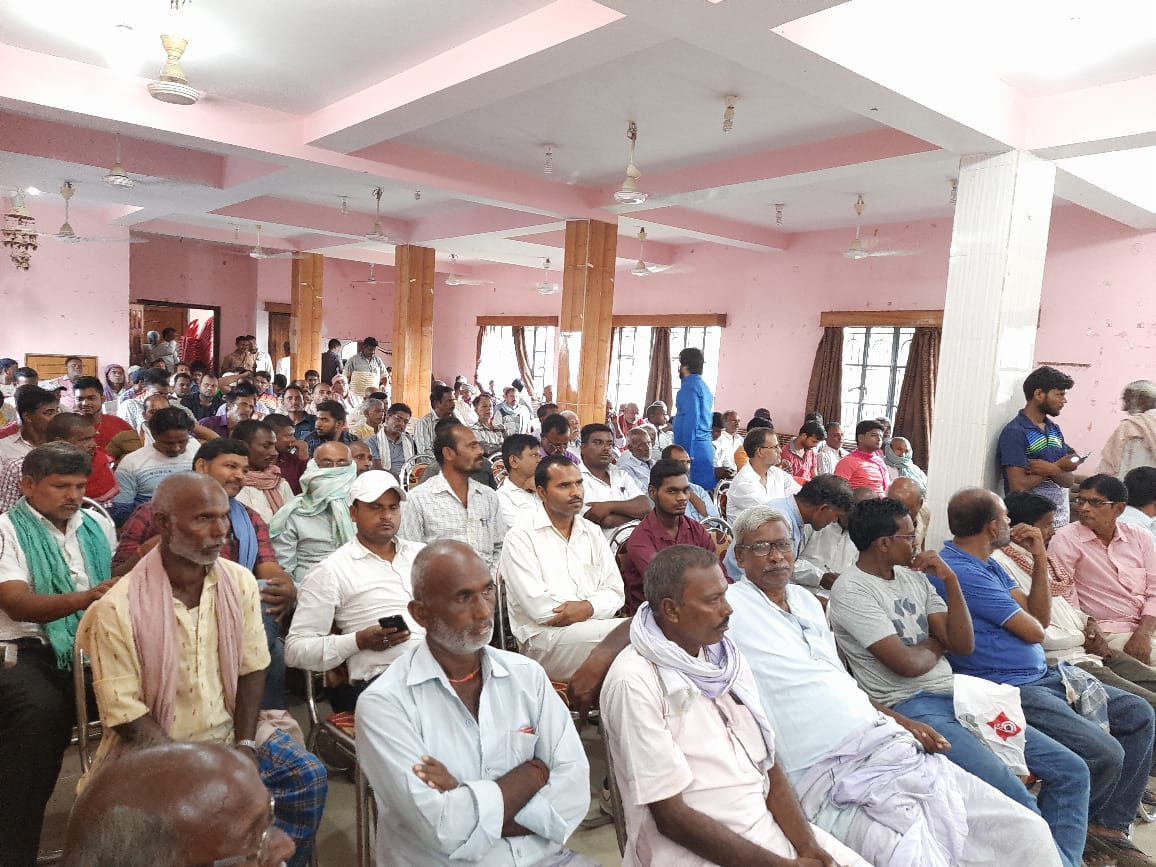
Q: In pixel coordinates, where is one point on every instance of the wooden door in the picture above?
(278, 335)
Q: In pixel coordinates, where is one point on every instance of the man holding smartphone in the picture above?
(363, 588)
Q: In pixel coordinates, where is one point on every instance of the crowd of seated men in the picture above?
(757, 696)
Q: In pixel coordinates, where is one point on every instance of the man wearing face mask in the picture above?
(309, 528)
(364, 581)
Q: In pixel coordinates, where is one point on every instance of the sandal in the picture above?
(1098, 854)
(1126, 853)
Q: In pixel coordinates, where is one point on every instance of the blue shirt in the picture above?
(999, 655)
(412, 711)
(692, 428)
(1021, 441)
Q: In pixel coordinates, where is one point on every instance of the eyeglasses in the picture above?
(1081, 501)
(762, 549)
(258, 857)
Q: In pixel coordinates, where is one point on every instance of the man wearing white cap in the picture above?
(359, 588)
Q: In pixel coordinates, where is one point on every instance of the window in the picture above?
(630, 359)
(540, 349)
(874, 359)
(499, 364)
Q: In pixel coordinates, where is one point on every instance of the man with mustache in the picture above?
(564, 586)
(501, 777)
(611, 496)
(693, 753)
(363, 581)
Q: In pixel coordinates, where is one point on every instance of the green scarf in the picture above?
(50, 573)
(321, 489)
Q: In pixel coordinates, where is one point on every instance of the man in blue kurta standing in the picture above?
(692, 420)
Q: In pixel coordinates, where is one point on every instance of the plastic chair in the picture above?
(86, 733)
(721, 533)
(616, 810)
(89, 503)
(411, 470)
(498, 467)
(503, 637)
(720, 496)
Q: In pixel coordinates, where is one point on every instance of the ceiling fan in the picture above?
(370, 281)
(546, 287)
(458, 280)
(67, 235)
(259, 252)
(861, 249)
(377, 234)
(641, 267)
(628, 193)
(117, 176)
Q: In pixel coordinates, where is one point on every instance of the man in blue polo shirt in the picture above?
(1009, 626)
(1032, 453)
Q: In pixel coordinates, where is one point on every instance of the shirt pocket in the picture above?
(521, 746)
(1134, 579)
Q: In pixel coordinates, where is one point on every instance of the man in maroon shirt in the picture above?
(292, 453)
(88, 396)
(665, 525)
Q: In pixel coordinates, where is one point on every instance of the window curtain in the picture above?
(917, 396)
(525, 370)
(497, 360)
(825, 392)
(658, 384)
(478, 358)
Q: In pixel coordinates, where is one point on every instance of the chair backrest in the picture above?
(89, 503)
(86, 732)
(503, 637)
(498, 467)
(616, 810)
(721, 533)
(412, 469)
(620, 535)
(720, 495)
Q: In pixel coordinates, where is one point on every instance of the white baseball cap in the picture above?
(370, 485)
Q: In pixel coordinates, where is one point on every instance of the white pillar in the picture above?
(998, 244)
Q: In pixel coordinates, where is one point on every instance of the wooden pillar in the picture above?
(305, 313)
(413, 326)
(585, 325)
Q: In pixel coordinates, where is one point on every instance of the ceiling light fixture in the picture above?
(117, 176)
(378, 232)
(779, 206)
(19, 233)
(546, 287)
(345, 206)
(548, 161)
(66, 232)
(172, 86)
(954, 195)
(729, 113)
(31, 191)
(417, 195)
(628, 193)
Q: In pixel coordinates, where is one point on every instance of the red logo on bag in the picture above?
(1004, 727)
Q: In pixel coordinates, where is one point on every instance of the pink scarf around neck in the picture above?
(155, 635)
(267, 481)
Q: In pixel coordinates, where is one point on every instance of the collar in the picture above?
(69, 528)
(359, 552)
(423, 667)
(508, 485)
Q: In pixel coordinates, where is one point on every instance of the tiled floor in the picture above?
(336, 838)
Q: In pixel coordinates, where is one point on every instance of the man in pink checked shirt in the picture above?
(864, 467)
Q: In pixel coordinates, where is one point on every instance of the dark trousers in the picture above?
(1129, 674)
(37, 713)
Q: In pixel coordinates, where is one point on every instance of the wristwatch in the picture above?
(252, 745)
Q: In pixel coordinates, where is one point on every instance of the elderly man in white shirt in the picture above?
(517, 496)
(611, 496)
(452, 505)
(831, 450)
(760, 480)
(563, 586)
(500, 776)
(362, 588)
(635, 461)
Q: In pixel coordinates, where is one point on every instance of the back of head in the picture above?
(827, 490)
(246, 430)
(812, 429)
(123, 837)
(1024, 507)
(1140, 396)
(169, 418)
(665, 576)
(757, 422)
(692, 357)
(1108, 487)
(65, 424)
(970, 510)
(555, 423)
(1141, 485)
(717, 422)
(874, 519)
(155, 376)
(756, 438)
(762, 412)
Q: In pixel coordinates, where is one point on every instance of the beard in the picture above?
(459, 641)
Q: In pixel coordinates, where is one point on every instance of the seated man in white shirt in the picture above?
(563, 586)
(1141, 510)
(470, 754)
(636, 459)
(356, 588)
(611, 496)
(760, 480)
(517, 496)
(700, 784)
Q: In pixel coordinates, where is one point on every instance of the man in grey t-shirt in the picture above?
(894, 630)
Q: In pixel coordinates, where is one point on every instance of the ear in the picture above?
(418, 612)
(669, 609)
(26, 485)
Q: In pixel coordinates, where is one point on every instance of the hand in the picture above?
(1027, 536)
(99, 590)
(812, 854)
(828, 580)
(541, 769)
(598, 512)
(585, 684)
(300, 449)
(435, 775)
(1038, 467)
(1140, 646)
(571, 612)
(1094, 640)
(279, 594)
(376, 638)
(928, 738)
(721, 473)
(930, 561)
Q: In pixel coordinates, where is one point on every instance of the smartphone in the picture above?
(394, 621)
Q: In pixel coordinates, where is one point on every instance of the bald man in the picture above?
(503, 779)
(908, 492)
(174, 804)
(184, 602)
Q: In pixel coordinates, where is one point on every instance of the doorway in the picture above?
(198, 330)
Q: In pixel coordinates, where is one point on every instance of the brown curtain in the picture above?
(825, 393)
(525, 371)
(658, 384)
(917, 396)
(478, 358)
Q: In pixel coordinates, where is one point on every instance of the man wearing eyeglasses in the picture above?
(1114, 564)
(760, 480)
(839, 748)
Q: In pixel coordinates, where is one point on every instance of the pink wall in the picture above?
(74, 297)
(363, 310)
(197, 273)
